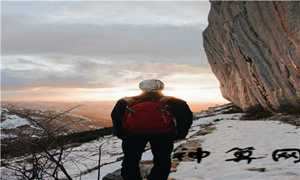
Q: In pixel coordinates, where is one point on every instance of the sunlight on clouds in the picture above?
(27, 62)
(194, 87)
(95, 51)
(78, 78)
(190, 87)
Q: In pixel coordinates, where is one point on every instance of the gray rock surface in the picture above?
(254, 50)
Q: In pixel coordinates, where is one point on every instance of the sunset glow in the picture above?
(90, 52)
(200, 87)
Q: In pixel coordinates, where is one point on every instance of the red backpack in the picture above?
(148, 117)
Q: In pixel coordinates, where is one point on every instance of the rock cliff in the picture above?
(254, 50)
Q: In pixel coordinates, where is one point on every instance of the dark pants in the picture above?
(133, 148)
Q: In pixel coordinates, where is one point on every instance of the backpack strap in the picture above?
(134, 100)
(164, 99)
(166, 108)
(130, 101)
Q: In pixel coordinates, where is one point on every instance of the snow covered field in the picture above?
(230, 132)
(264, 136)
(12, 121)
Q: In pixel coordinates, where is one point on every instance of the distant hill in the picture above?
(98, 112)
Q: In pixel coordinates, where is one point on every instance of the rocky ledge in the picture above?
(254, 50)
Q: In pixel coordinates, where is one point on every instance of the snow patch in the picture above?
(264, 136)
(13, 121)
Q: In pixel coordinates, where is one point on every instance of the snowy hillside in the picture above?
(12, 121)
(24, 122)
(214, 132)
(13, 126)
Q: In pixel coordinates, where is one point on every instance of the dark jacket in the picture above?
(178, 108)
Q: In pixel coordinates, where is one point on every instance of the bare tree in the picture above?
(46, 156)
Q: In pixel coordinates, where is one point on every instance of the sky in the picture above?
(93, 51)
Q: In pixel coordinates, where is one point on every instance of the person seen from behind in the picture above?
(154, 118)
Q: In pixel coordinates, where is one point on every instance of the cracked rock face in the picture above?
(254, 50)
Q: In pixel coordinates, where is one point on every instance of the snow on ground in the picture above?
(84, 159)
(147, 154)
(9, 122)
(86, 156)
(13, 121)
(264, 136)
(8, 136)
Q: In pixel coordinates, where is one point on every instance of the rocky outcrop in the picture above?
(254, 50)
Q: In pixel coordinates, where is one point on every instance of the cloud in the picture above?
(19, 72)
(86, 78)
(146, 29)
(92, 40)
(107, 13)
(101, 50)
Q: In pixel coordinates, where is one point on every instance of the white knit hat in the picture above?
(150, 85)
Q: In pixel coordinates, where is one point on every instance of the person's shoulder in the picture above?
(127, 99)
(173, 99)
